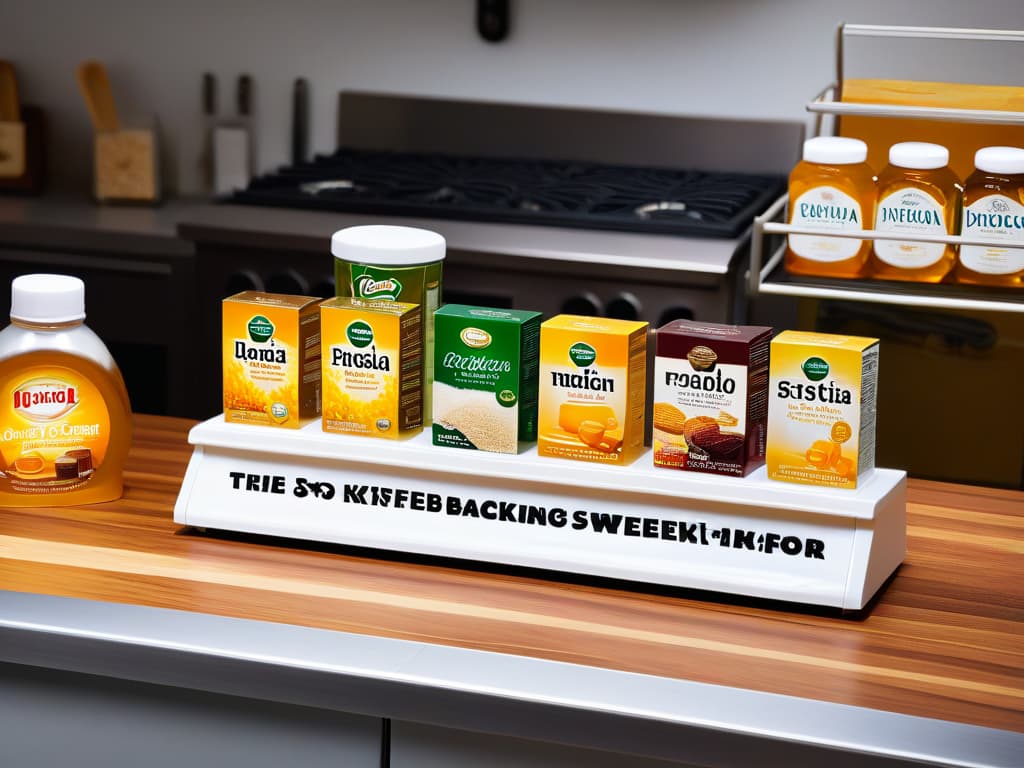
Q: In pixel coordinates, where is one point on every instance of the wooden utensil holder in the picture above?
(22, 153)
(127, 166)
(12, 149)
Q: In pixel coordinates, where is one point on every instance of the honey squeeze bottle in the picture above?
(65, 419)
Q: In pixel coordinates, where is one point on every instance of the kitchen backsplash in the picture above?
(736, 58)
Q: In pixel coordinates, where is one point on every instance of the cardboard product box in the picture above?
(271, 356)
(710, 397)
(821, 408)
(593, 375)
(485, 377)
(372, 367)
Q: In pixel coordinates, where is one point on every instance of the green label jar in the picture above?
(390, 263)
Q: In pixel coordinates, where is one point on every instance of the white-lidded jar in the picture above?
(830, 190)
(394, 263)
(994, 211)
(917, 194)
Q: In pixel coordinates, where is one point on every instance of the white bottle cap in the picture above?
(387, 245)
(1008, 160)
(835, 150)
(47, 299)
(919, 155)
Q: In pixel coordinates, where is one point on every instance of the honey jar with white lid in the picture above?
(917, 194)
(994, 211)
(831, 190)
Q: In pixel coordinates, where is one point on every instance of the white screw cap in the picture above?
(918, 155)
(387, 245)
(835, 150)
(1008, 160)
(47, 299)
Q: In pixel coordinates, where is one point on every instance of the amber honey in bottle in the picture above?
(994, 211)
(917, 194)
(831, 190)
(65, 419)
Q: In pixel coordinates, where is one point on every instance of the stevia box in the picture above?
(593, 375)
(372, 367)
(271, 359)
(710, 408)
(821, 411)
(485, 377)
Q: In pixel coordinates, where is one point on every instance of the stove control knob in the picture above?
(242, 280)
(625, 306)
(674, 313)
(288, 281)
(586, 303)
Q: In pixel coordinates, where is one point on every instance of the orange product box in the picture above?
(271, 356)
(821, 408)
(372, 367)
(593, 375)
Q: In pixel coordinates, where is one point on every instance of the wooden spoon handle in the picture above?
(10, 111)
(95, 87)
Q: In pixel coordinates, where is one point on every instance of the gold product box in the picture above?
(821, 408)
(271, 353)
(372, 367)
(593, 374)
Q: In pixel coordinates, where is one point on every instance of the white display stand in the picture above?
(748, 536)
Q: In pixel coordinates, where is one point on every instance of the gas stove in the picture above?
(553, 209)
(549, 208)
(568, 193)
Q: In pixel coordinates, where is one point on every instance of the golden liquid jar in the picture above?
(831, 190)
(917, 194)
(994, 211)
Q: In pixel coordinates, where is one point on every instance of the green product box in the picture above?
(486, 363)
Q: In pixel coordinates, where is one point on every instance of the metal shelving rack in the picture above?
(766, 275)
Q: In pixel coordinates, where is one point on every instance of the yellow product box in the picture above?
(271, 359)
(372, 367)
(593, 374)
(821, 408)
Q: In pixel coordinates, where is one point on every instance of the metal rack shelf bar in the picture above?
(761, 269)
(986, 116)
(933, 33)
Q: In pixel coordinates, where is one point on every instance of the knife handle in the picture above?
(10, 108)
(244, 96)
(300, 121)
(209, 94)
(95, 87)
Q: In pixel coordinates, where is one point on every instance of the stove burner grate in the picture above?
(568, 194)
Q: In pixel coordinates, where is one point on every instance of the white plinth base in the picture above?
(747, 536)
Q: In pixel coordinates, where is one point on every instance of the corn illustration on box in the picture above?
(593, 375)
(485, 377)
(372, 367)
(271, 359)
(821, 408)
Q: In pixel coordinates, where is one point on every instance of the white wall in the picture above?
(762, 58)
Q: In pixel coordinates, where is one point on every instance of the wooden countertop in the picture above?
(945, 639)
